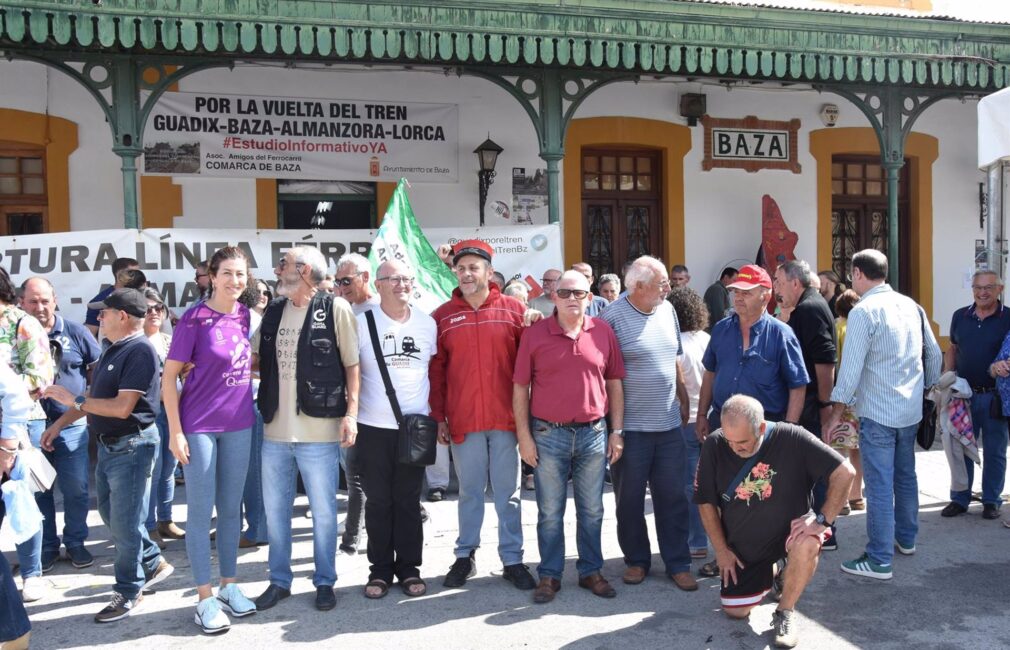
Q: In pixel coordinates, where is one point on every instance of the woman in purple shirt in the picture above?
(210, 427)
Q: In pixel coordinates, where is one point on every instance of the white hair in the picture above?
(311, 257)
(744, 409)
(610, 277)
(360, 263)
(642, 270)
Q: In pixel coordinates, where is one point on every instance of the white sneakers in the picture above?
(33, 589)
(233, 601)
(210, 618)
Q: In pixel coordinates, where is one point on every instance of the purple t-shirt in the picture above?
(217, 395)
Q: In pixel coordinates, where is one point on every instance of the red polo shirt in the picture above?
(568, 375)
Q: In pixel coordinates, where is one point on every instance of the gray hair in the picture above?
(642, 270)
(516, 288)
(313, 258)
(744, 409)
(991, 272)
(797, 270)
(359, 262)
(610, 277)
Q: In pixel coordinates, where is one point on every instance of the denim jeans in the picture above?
(992, 436)
(582, 451)
(13, 617)
(30, 552)
(696, 537)
(215, 476)
(252, 495)
(892, 491)
(162, 478)
(656, 459)
(317, 464)
(482, 453)
(437, 475)
(70, 458)
(123, 485)
(392, 516)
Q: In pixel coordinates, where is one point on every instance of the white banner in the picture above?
(79, 264)
(252, 136)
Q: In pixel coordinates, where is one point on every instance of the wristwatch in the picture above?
(619, 432)
(79, 402)
(822, 520)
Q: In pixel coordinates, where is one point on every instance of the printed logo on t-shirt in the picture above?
(399, 354)
(756, 484)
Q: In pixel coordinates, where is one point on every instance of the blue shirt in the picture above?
(91, 317)
(978, 342)
(130, 364)
(596, 306)
(766, 371)
(80, 350)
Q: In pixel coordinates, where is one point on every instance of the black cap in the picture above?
(131, 301)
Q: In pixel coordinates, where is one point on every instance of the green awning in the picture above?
(682, 38)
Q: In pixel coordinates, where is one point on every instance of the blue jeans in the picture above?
(892, 491)
(481, 453)
(123, 484)
(252, 495)
(13, 617)
(583, 452)
(162, 478)
(317, 464)
(656, 459)
(70, 458)
(30, 552)
(215, 476)
(992, 436)
(696, 537)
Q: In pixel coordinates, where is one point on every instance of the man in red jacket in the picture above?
(478, 338)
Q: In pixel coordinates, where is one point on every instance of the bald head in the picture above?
(573, 279)
(39, 299)
(395, 282)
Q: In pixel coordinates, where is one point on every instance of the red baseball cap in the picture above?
(749, 277)
(471, 247)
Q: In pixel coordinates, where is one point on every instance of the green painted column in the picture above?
(893, 171)
(552, 142)
(126, 132)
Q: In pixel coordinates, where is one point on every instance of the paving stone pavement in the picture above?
(950, 594)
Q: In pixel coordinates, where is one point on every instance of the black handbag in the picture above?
(926, 433)
(418, 436)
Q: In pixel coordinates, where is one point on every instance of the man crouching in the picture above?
(753, 492)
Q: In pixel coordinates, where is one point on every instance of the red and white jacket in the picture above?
(471, 374)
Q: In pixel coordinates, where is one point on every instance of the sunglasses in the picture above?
(155, 309)
(346, 281)
(568, 293)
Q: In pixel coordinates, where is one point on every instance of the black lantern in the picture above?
(487, 157)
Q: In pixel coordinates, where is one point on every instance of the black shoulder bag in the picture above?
(416, 444)
(727, 494)
(926, 433)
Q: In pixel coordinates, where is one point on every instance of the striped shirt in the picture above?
(650, 344)
(881, 372)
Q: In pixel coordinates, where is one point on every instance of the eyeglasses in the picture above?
(9, 451)
(986, 287)
(155, 309)
(546, 280)
(568, 293)
(267, 294)
(396, 280)
(284, 262)
(347, 280)
(202, 275)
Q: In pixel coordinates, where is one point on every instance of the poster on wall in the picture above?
(253, 136)
(79, 264)
(529, 196)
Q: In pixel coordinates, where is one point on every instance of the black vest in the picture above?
(319, 370)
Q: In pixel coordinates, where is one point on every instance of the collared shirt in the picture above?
(596, 306)
(129, 364)
(568, 376)
(882, 372)
(766, 371)
(814, 327)
(80, 350)
(978, 341)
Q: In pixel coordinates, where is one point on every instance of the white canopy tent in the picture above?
(994, 160)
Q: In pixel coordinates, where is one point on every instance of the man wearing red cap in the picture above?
(753, 354)
(478, 339)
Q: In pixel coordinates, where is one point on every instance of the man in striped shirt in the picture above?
(654, 453)
(890, 357)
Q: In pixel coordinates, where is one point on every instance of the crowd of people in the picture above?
(735, 412)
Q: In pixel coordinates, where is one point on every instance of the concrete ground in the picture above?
(951, 594)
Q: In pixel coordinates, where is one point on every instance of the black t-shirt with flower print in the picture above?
(776, 491)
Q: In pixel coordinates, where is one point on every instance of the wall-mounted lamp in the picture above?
(829, 114)
(487, 157)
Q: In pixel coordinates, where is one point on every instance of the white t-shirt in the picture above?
(407, 349)
(694, 344)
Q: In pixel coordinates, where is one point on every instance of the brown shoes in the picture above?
(598, 585)
(169, 530)
(685, 581)
(634, 575)
(245, 542)
(545, 591)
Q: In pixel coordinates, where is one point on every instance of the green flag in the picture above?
(399, 237)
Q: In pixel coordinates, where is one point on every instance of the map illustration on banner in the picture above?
(251, 136)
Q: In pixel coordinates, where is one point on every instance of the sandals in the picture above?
(382, 585)
(857, 504)
(709, 570)
(406, 585)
